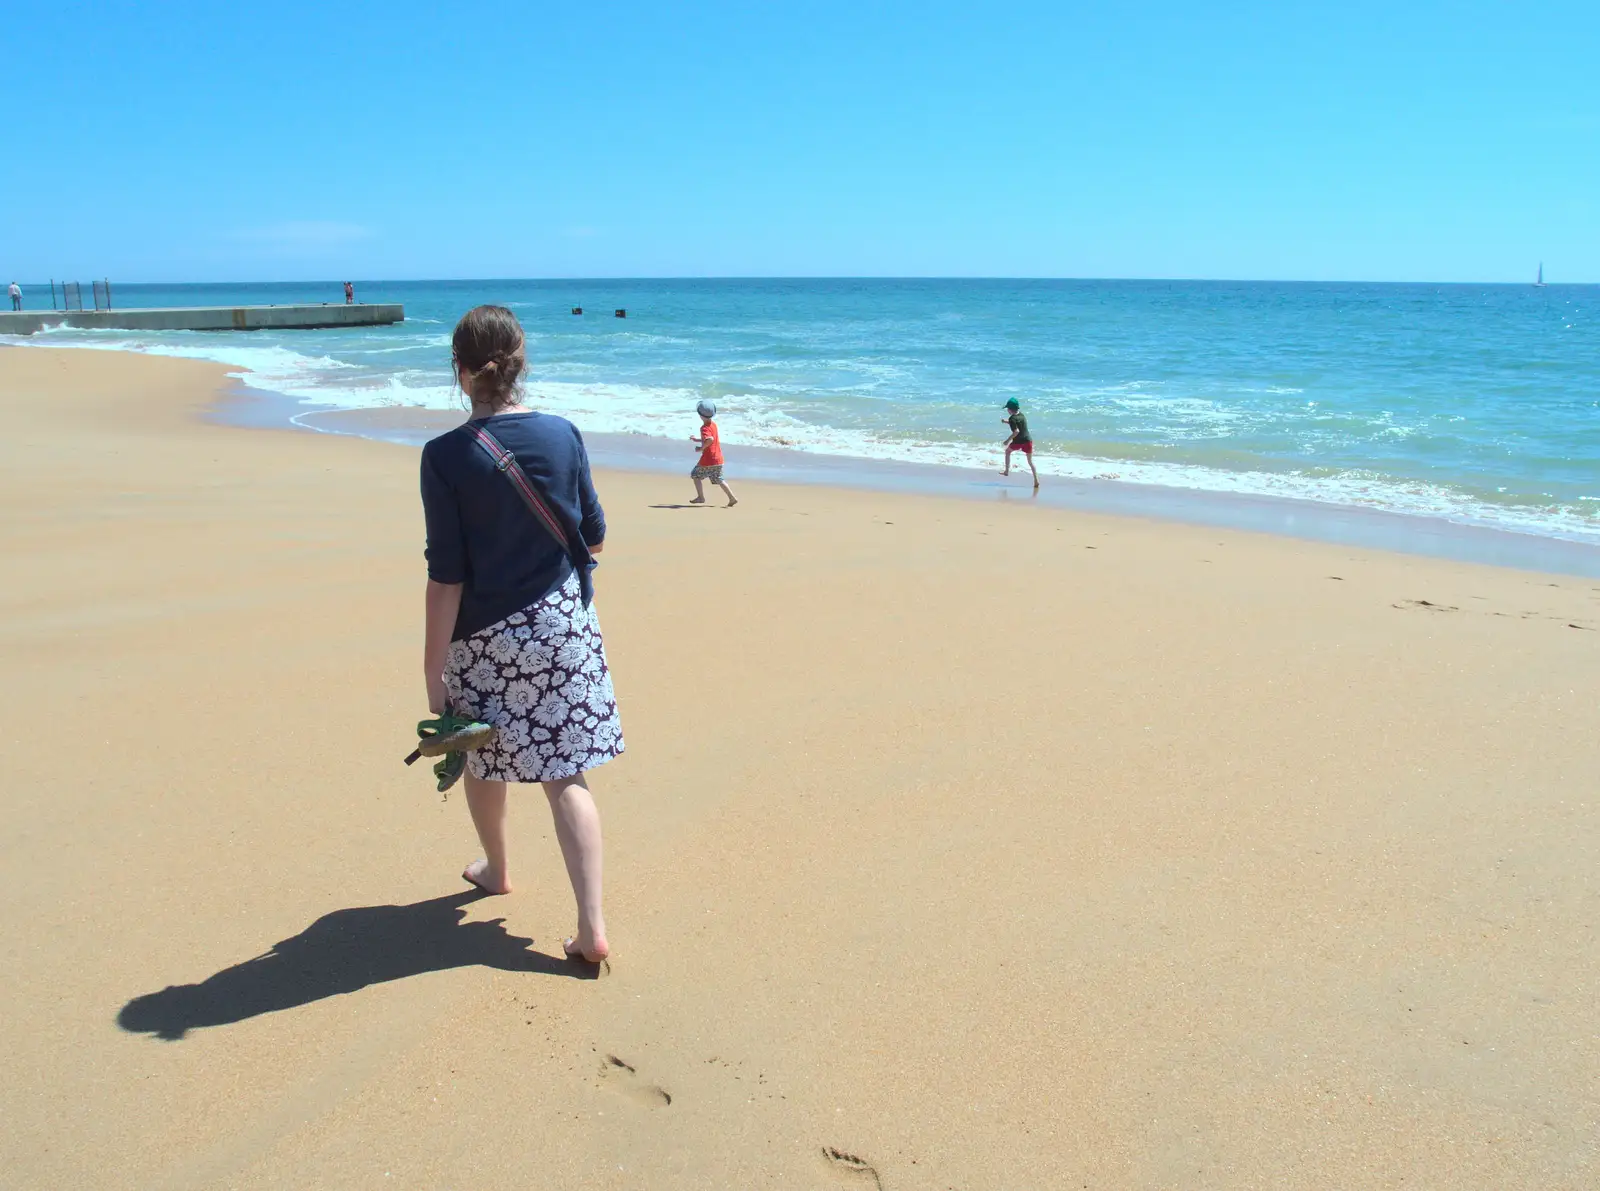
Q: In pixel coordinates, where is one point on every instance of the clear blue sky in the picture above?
(1400, 140)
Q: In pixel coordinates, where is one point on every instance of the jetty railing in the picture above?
(72, 295)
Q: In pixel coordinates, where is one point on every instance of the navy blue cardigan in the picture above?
(482, 535)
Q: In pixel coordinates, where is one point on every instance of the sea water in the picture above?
(1479, 404)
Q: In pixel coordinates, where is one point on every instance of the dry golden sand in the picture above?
(958, 845)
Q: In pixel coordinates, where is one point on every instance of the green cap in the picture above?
(1013, 404)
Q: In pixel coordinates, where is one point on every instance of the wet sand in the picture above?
(1343, 525)
(957, 844)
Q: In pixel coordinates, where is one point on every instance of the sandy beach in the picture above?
(957, 845)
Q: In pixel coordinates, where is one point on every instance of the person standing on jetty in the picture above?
(511, 634)
(709, 444)
(1019, 439)
(349, 293)
(16, 296)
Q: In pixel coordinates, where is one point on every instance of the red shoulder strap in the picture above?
(506, 462)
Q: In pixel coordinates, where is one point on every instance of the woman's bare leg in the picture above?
(699, 491)
(487, 802)
(578, 830)
(728, 492)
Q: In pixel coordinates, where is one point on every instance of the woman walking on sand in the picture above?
(511, 636)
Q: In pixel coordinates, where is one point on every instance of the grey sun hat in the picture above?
(706, 409)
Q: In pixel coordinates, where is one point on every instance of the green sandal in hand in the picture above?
(450, 737)
(451, 733)
(448, 769)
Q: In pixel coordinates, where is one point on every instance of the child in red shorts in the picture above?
(1020, 439)
(709, 444)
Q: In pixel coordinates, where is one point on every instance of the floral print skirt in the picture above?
(540, 677)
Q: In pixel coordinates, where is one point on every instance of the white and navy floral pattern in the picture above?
(540, 677)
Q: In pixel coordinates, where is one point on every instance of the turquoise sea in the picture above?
(1475, 403)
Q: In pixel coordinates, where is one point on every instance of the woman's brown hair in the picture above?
(488, 343)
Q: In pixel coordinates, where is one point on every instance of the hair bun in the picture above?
(488, 346)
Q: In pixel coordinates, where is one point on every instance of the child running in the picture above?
(1019, 439)
(709, 444)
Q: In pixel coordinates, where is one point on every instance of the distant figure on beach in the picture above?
(16, 296)
(709, 444)
(511, 633)
(1019, 438)
(349, 293)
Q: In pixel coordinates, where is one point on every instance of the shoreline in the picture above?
(1321, 395)
(1282, 516)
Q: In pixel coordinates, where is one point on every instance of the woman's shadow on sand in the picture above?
(339, 953)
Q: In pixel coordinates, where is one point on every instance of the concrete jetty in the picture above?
(207, 318)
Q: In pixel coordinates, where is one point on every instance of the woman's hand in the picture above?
(438, 696)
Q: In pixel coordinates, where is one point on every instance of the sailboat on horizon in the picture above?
(1538, 282)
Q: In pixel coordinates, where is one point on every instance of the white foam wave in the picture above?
(319, 380)
(755, 420)
(760, 419)
(416, 341)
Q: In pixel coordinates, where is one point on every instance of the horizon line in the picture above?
(833, 277)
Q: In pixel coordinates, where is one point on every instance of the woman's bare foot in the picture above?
(698, 500)
(477, 873)
(732, 502)
(595, 950)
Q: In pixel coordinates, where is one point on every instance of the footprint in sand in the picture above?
(621, 1078)
(1429, 604)
(849, 1166)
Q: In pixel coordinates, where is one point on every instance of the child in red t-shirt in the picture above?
(709, 444)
